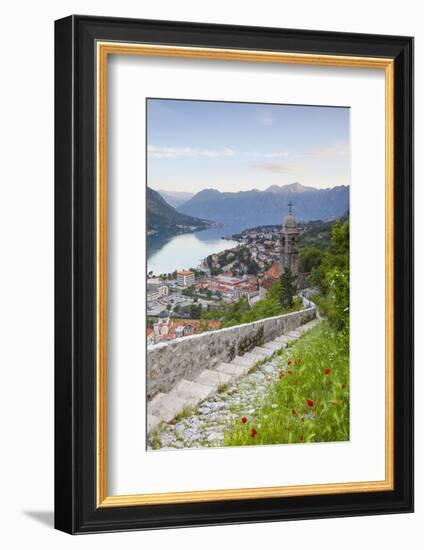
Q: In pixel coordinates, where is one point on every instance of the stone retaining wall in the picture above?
(184, 358)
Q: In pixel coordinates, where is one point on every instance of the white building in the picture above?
(185, 278)
(155, 292)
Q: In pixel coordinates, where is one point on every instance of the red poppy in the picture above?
(327, 371)
(301, 437)
(254, 432)
(290, 363)
(244, 419)
(309, 402)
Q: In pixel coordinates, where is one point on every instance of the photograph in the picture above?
(247, 274)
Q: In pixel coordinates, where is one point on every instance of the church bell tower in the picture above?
(289, 244)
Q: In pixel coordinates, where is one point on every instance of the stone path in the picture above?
(224, 388)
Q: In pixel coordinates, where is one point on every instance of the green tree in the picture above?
(252, 268)
(336, 255)
(332, 278)
(195, 311)
(309, 259)
(287, 289)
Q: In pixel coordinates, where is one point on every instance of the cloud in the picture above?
(274, 166)
(337, 149)
(156, 152)
(331, 157)
(276, 154)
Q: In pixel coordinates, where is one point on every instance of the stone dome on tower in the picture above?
(289, 222)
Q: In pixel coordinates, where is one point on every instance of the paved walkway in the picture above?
(208, 390)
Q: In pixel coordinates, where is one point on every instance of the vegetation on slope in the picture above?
(310, 402)
(331, 277)
(241, 312)
(162, 217)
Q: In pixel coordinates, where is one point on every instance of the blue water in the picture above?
(165, 255)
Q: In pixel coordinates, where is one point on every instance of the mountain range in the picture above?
(163, 218)
(251, 208)
(176, 198)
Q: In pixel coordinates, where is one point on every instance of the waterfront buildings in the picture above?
(185, 278)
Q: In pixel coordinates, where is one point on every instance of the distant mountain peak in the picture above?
(294, 187)
(207, 193)
(175, 198)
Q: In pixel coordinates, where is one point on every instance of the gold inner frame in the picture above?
(104, 49)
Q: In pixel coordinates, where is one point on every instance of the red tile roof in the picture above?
(274, 272)
(267, 283)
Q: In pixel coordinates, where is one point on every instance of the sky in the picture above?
(194, 145)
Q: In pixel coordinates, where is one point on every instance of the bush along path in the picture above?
(299, 394)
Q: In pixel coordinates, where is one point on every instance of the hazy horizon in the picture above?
(230, 147)
(159, 189)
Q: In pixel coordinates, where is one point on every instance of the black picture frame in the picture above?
(76, 510)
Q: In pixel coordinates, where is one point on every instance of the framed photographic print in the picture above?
(234, 274)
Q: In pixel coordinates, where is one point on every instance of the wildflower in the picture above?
(290, 363)
(290, 372)
(254, 432)
(309, 402)
(244, 419)
(281, 375)
(327, 371)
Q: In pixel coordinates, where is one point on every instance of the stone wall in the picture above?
(170, 362)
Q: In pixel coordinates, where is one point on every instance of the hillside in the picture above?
(255, 207)
(163, 218)
(317, 234)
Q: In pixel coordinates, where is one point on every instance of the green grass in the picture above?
(306, 405)
(189, 410)
(155, 442)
